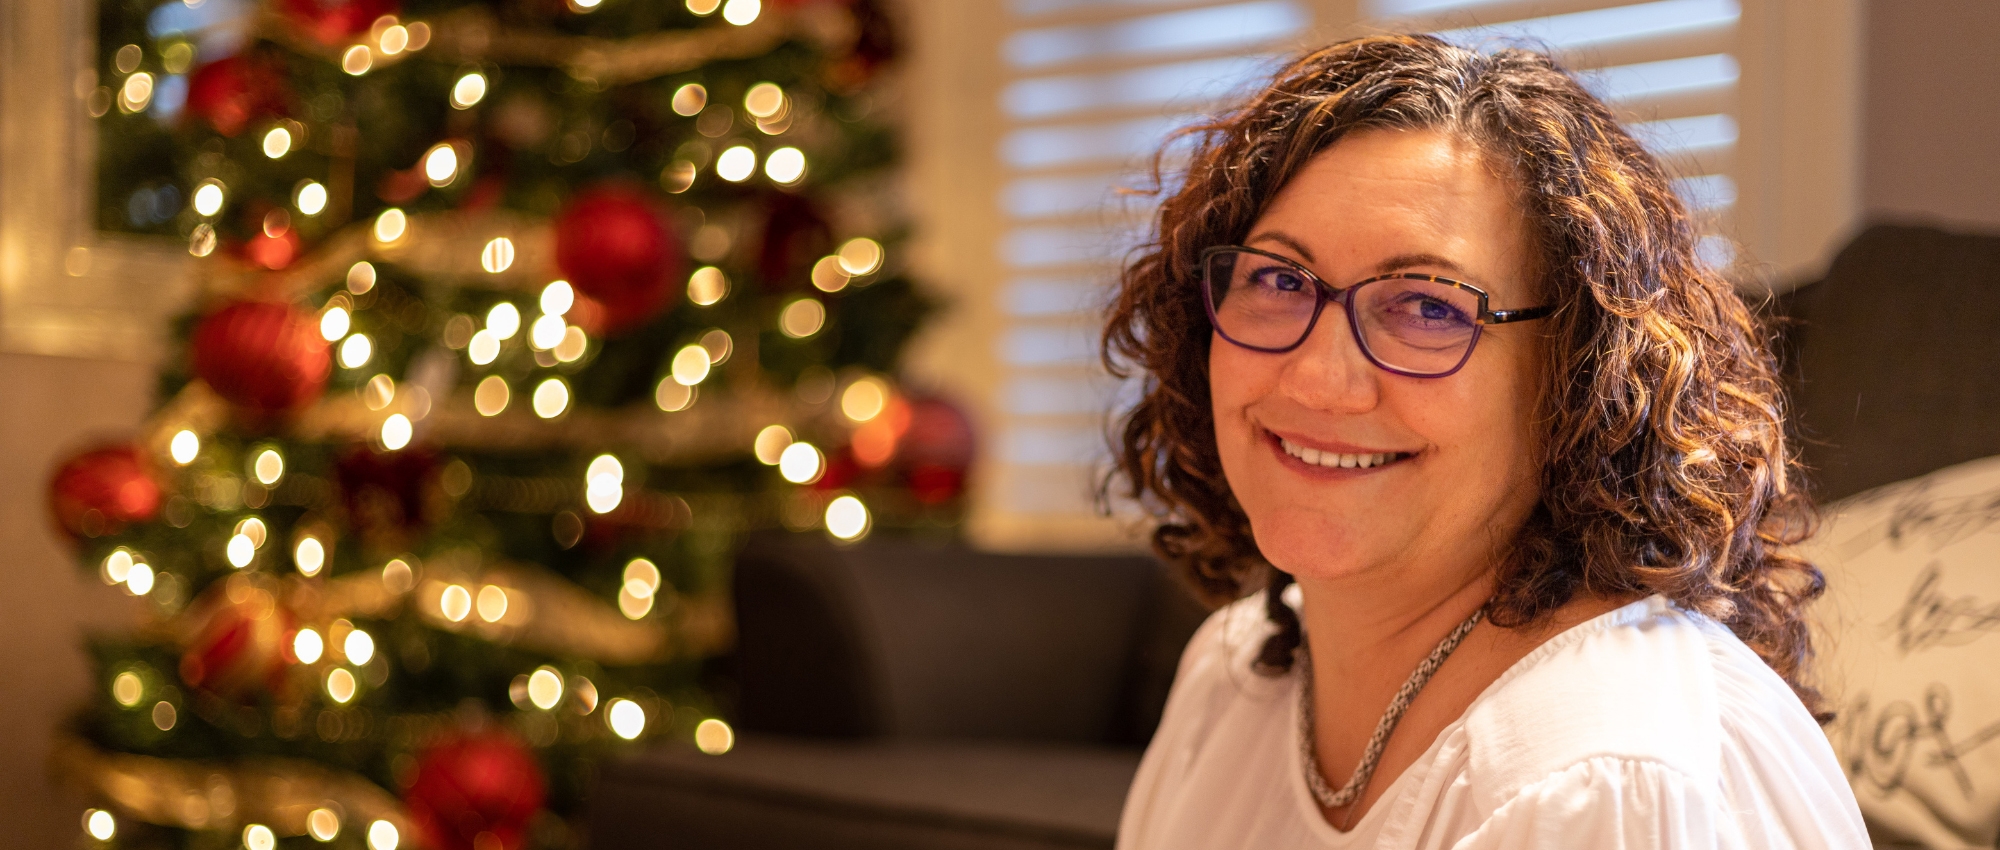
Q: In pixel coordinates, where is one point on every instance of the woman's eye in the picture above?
(1280, 279)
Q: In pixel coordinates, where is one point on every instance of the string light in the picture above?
(714, 737)
(455, 603)
(468, 91)
(492, 603)
(828, 276)
(310, 556)
(785, 165)
(864, 399)
(323, 824)
(359, 647)
(100, 824)
(497, 256)
(547, 332)
(354, 353)
(378, 392)
(741, 12)
(504, 320)
(395, 40)
(604, 484)
(802, 318)
(357, 60)
(277, 143)
(672, 396)
(689, 99)
(771, 443)
(397, 431)
(860, 255)
(557, 298)
(545, 687)
(201, 242)
(800, 463)
(483, 348)
(184, 447)
(573, 344)
(390, 225)
(491, 396)
(117, 565)
(259, 837)
(441, 164)
(736, 164)
(360, 277)
(704, 7)
(208, 198)
(140, 580)
(268, 467)
(334, 323)
(128, 689)
(551, 398)
(764, 100)
(309, 197)
(340, 685)
(626, 718)
(307, 646)
(847, 518)
(707, 286)
(382, 835)
(690, 365)
(164, 716)
(136, 93)
(253, 530)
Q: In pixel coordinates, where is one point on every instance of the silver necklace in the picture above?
(1350, 792)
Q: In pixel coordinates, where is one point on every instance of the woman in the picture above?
(1423, 331)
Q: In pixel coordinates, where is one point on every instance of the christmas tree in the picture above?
(516, 318)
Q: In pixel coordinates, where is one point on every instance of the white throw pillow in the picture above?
(1909, 641)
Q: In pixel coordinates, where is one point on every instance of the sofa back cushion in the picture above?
(1910, 652)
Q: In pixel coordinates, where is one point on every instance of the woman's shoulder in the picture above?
(1648, 683)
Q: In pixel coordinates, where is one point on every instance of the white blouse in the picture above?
(1647, 727)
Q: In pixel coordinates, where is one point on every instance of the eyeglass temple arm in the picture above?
(1501, 317)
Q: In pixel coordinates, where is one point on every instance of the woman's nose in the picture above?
(1328, 371)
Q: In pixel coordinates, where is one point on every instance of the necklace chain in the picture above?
(1419, 677)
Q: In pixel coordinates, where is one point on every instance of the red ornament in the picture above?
(265, 357)
(230, 93)
(388, 494)
(243, 645)
(937, 450)
(475, 791)
(100, 491)
(337, 21)
(795, 236)
(272, 251)
(612, 246)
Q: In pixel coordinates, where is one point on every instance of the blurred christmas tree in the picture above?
(517, 317)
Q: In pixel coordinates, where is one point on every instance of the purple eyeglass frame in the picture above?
(1327, 292)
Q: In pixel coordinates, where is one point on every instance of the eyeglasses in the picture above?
(1419, 325)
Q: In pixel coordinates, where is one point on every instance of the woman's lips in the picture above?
(1348, 459)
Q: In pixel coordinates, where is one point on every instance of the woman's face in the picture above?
(1463, 475)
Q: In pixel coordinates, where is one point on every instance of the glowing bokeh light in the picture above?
(334, 323)
(390, 225)
(397, 431)
(357, 60)
(504, 320)
(310, 556)
(491, 396)
(672, 396)
(323, 824)
(128, 689)
(801, 463)
(455, 603)
(310, 198)
(771, 443)
(551, 398)
(690, 365)
(354, 353)
(545, 687)
(359, 647)
(483, 348)
(340, 685)
(764, 100)
(626, 718)
(860, 255)
(689, 99)
(557, 298)
(308, 646)
(736, 164)
(382, 835)
(846, 518)
(441, 164)
(277, 143)
(785, 165)
(185, 447)
(714, 737)
(864, 399)
(497, 257)
(469, 90)
(707, 286)
(100, 824)
(208, 198)
(741, 12)
(492, 603)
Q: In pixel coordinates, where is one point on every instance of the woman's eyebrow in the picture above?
(1404, 261)
(1283, 239)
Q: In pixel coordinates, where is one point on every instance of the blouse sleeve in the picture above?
(1606, 802)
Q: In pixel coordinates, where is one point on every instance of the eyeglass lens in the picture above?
(1418, 327)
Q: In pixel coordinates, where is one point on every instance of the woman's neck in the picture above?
(1370, 623)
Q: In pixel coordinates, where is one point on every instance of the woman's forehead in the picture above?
(1392, 195)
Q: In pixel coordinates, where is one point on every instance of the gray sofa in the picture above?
(902, 694)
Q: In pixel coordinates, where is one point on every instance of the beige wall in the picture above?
(1931, 141)
(49, 407)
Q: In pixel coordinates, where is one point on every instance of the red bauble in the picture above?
(474, 784)
(795, 236)
(336, 21)
(243, 645)
(388, 494)
(612, 246)
(267, 358)
(99, 491)
(230, 93)
(937, 450)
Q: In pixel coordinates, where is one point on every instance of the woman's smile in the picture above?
(1332, 460)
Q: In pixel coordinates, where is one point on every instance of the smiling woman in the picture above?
(1424, 333)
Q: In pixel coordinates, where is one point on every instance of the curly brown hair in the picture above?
(1668, 466)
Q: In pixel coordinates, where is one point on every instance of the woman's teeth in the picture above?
(1334, 460)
